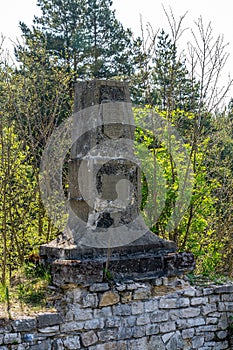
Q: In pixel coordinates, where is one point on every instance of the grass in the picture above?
(28, 293)
(207, 279)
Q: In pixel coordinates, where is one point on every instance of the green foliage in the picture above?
(34, 99)
(164, 158)
(196, 231)
(220, 169)
(3, 293)
(19, 211)
(18, 205)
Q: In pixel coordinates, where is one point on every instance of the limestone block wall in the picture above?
(163, 314)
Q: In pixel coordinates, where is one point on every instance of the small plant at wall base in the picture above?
(108, 276)
(32, 290)
(5, 298)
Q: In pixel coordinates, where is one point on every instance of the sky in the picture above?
(220, 13)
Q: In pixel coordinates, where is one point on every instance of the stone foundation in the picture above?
(161, 314)
(139, 267)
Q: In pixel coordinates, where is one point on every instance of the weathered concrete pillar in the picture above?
(107, 169)
(105, 229)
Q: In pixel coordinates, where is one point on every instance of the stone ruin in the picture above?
(143, 304)
(105, 236)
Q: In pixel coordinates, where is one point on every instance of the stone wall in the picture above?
(157, 315)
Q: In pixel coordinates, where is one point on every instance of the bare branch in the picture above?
(175, 26)
(208, 58)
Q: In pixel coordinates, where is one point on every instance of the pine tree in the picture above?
(173, 88)
(86, 34)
